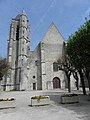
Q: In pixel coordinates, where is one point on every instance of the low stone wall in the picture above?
(69, 99)
(38, 101)
(7, 103)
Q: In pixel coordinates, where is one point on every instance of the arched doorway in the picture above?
(56, 82)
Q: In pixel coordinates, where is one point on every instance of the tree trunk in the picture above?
(77, 84)
(88, 78)
(68, 78)
(4, 87)
(82, 81)
(77, 80)
(69, 86)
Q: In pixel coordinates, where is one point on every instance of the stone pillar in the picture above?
(43, 72)
(10, 80)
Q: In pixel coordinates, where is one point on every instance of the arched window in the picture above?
(55, 66)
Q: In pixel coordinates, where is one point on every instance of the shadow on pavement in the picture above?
(82, 108)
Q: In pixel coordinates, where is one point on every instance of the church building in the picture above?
(37, 69)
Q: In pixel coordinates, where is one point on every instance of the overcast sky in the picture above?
(67, 15)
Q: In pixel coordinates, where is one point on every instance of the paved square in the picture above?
(54, 111)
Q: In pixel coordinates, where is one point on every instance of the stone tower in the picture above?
(18, 52)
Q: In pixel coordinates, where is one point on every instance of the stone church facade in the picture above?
(43, 74)
(34, 70)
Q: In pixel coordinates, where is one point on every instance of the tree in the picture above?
(66, 66)
(87, 74)
(75, 75)
(78, 49)
(4, 67)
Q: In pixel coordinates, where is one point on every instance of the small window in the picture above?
(55, 66)
(34, 86)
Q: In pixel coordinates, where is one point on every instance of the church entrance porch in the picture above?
(56, 83)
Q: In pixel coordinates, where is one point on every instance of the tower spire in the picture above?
(23, 12)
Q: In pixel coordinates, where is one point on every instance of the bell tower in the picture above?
(18, 52)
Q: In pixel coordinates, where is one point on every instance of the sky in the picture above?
(67, 15)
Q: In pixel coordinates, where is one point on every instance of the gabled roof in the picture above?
(52, 35)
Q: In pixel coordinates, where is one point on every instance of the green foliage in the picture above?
(78, 49)
(78, 46)
(4, 66)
